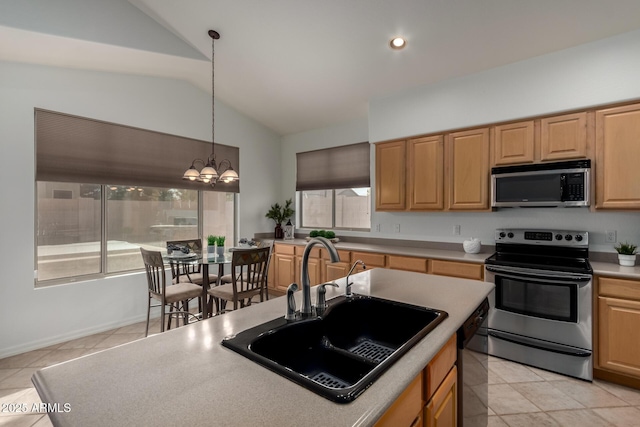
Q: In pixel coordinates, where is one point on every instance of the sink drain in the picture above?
(372, 351)
(329, 380)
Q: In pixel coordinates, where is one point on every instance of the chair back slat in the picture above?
(154, 267)
(250, 269)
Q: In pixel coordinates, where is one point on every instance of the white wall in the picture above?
(592, 74)
(32, 318)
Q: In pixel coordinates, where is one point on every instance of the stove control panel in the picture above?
(543, 237)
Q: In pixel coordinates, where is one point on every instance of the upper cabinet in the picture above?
(563, 137)
(513, 143)
(467, 175)
(390, 176)
(426, 173)
(618, 157)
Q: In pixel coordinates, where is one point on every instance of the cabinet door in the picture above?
(397, 262)
(513, 143)
(426, 173)
(390, 176)
(285, 270)
(619, 335)
(441, 410)
(618, 157)
(467, 161)
(406, 409)
(336, 270)
(457, 269)
(563, 137)
(371, 260)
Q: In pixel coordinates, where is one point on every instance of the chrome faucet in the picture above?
(304, 271)
(347, 292)
(291, 302)
(321, 296)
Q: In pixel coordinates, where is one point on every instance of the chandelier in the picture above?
(212, 172)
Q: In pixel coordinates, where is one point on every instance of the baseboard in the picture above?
(72, 335)
(616, 378)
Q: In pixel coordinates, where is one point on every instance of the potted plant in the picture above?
(626, 254)
(220, 246)
(211, 243)
(280, 214)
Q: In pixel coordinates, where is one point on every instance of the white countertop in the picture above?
(185, 376)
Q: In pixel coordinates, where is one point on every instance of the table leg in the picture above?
(205, 288)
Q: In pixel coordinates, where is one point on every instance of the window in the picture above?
(100, 195)
(333, 187)
(345, 208)
(69, 230)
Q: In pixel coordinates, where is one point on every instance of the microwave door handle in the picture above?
(563, 180)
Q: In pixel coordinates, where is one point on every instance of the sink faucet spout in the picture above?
(304, 270)
(347, 291)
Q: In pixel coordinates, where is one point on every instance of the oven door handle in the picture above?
(540, 345)
(545, 277)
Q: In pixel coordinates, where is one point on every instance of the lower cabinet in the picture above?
(617, 330)
(431, 398)
(463, 270)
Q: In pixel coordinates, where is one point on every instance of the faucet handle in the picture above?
(291, 302)
(321, 301)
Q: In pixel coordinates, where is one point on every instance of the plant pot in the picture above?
(279, 232)
(220, 251)
(211, 249)
(627, 260)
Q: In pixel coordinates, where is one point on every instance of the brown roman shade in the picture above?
(78, 149)
(346, 166)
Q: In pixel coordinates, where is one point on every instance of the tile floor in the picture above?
(518, 395)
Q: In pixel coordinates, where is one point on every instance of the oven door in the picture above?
(544, 305)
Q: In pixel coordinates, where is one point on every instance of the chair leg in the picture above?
(170, 317)
(185, 322)
(146, 332)
(162, 314)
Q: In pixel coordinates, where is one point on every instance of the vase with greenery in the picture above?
(280, 214)
(626, 254)
(211, 243)
(220, 246)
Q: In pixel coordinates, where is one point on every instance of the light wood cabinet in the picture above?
(390, 176)
(426, 173)
(513, 143)
(441, 410)
(464, 270)
(467, 170)
(371, 260)
(563, 137)
(285, 271)
(334, 270)
(397, 262)
(618, 157)
(431, 398)
(618, 331)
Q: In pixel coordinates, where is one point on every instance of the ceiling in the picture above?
(298, 65)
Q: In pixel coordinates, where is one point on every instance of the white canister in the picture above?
(472, 245)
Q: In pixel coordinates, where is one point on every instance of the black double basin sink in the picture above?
(341, 352)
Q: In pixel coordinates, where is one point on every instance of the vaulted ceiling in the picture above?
(297, 65)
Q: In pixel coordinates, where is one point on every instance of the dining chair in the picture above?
(249, 278)
(176, 296)
(185, 272)
(264, 295)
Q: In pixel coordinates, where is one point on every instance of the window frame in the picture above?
(299, 203)
(104, 243)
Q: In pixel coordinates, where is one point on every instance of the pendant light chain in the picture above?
(213, 93)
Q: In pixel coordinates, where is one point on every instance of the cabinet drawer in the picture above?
(457, 269)
(345, 256)
(403, 411)
(284, 249)
(370, 259)
(619, 288)
(408, 263)
(314, 253)
(439, 367)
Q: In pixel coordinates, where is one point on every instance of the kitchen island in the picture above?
(186, 377)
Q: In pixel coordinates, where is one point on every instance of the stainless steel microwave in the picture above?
(558, 184)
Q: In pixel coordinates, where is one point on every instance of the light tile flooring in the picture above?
(518, 395)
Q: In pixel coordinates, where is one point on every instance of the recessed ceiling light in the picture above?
(397, 43)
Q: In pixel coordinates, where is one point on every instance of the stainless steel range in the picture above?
(542, 305)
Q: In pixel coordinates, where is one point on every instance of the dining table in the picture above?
(205, 260)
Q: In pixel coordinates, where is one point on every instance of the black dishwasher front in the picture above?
(473, 369)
